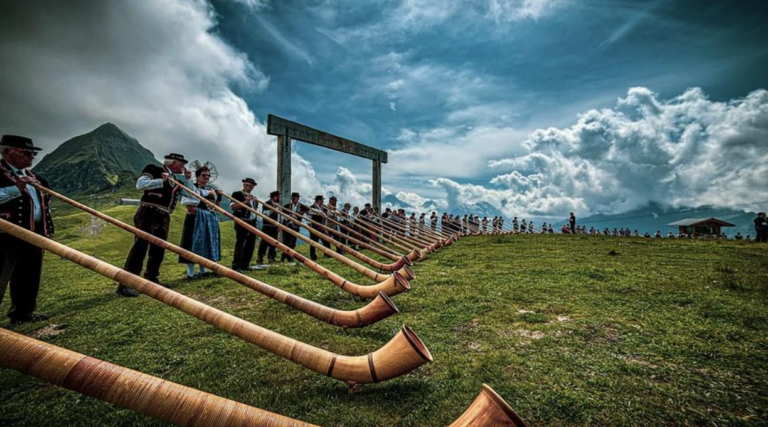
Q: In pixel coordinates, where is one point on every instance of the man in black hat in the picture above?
(154, 217)
(269, 229)
(245, 241)
(316, 214)
(22, 204)
(297, 212)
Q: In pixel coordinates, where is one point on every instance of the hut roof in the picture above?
(688, 222)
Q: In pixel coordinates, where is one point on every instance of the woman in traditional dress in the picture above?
(201, 225)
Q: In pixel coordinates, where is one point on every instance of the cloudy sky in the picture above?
(536, 107)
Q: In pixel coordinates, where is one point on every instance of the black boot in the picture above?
(125, 291)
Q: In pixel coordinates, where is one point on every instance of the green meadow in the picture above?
(568, 330)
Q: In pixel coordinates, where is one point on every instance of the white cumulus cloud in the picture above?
(157, 69)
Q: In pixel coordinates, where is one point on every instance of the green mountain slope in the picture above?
(103, 160)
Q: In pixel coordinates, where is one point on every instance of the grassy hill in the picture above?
(569, 330)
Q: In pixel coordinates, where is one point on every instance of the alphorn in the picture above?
(380, 308)
(349, 232)
(405, 231)
(126, 388)
(402, 262)
(371, 242)
(385, 227)
(391, 286)
(382, 250)
(402, 354)
(383, 238)
(416, 253)
(175, 403)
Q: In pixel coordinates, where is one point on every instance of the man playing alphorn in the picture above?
(154, 217)
(269, 229)
(297, 212)
(245, 241)
(22, 204)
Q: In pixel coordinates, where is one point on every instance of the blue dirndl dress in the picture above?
(201, 230)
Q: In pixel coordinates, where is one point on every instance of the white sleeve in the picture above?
(145, 182)
(9, 193)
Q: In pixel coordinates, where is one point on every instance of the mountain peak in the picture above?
(98, 161)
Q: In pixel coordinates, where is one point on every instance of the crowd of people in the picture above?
(177, 181)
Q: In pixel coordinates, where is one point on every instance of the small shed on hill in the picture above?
(701, 226)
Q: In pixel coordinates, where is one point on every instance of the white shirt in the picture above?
(9, 193)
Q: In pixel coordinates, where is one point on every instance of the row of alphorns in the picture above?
(402, 354)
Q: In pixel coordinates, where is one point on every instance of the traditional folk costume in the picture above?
(316, 214)
(297, 212)
(154, 217)
(245, 241)
(20, 262)
(201, 233)
(269, 229)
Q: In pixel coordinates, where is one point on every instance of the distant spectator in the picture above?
(738, 236)
(572, 221)
(658, 234)
(761, 228)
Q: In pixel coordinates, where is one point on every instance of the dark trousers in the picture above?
(21, 265)
(245, 243)
(339, 238)
(290, 241)
(761, 236)
(314, 238)
(156, 223)
(264, 247)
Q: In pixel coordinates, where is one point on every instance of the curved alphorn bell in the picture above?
(380, 308)
(404, 353)
(402, 262)
(175, 403)
(488, 409)
(392, 285)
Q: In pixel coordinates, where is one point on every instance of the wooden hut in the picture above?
(701, 226)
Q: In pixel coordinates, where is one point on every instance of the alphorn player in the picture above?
(154, 217)
(331, 211)
(245, 241)
(269, 229)
(297, 212)
(21, 204)
(316, 214)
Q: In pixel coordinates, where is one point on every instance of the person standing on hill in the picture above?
(297, 213)
(154, 217)
(761, 228)
(572, 221)
(269, 209)
(245, 241)
(22, 204)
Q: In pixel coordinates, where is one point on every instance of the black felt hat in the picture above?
(249, 181)
(319, 197)
(176, 156)
(15, 141)
(274, 193)
(295, 195)
(333, 198)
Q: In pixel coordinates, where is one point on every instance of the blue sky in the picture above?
(372, 70)
(529, 107)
